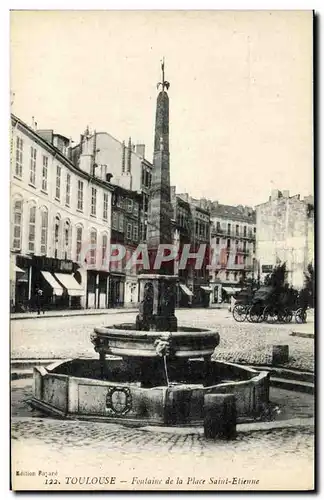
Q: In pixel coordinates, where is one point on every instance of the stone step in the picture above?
(287, 373)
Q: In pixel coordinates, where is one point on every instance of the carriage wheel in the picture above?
(239, 313)
(301, 315)
(255, 314)
(287, 315)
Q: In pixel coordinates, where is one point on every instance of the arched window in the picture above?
(104, 249)
(17, 223)
(78, 243)
(57, 231)
(32, 228)
(67, 240)
(93, 246)
(44, 231)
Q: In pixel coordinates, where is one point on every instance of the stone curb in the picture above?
(69, 315)
(241, 428)
(302, 335)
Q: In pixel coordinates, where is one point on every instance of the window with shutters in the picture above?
(32, 229)
(93, 246)
(32, 171)
(19, 156)
(80, 196)
(105, 207)
(68, 190)
(44, 231)
(93, 201)
(58, 183)
(78, 243)
(104, 249)
(17, 224)
(44, 173)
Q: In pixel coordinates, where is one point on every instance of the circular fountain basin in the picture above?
(124, 340)
(75, 389)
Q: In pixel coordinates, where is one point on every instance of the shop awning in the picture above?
(57, 289)
(206, 288)
(71, 284)
(18, 270)
(186, 290)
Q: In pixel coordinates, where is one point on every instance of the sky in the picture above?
(240, 95)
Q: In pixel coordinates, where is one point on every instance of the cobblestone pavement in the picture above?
(240, 342)
(90, 448)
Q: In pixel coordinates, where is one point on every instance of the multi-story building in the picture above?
(285, 233)
(112, 160)
(191, 226)
(60, 223)
(233, 234)
(126, 219)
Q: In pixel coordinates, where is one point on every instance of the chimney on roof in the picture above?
(123, 156)
(129, 156)
(140, 150)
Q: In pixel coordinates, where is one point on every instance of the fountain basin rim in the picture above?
(154, 334)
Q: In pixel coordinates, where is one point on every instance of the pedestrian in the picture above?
(39, 301)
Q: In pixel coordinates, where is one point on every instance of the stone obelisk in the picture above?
(158, 288)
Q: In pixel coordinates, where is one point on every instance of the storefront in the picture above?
(116, 290)
(54, 277)
(97, 289)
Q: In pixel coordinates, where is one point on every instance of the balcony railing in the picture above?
(232, 234)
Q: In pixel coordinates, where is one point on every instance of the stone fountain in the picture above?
(151, 372)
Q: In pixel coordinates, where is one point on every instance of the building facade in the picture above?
(107, 158)
(285, 233)
(191, 226)
(125, 231)
(233, 237)
(60, 224)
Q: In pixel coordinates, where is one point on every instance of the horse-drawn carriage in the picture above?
(267, 304)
